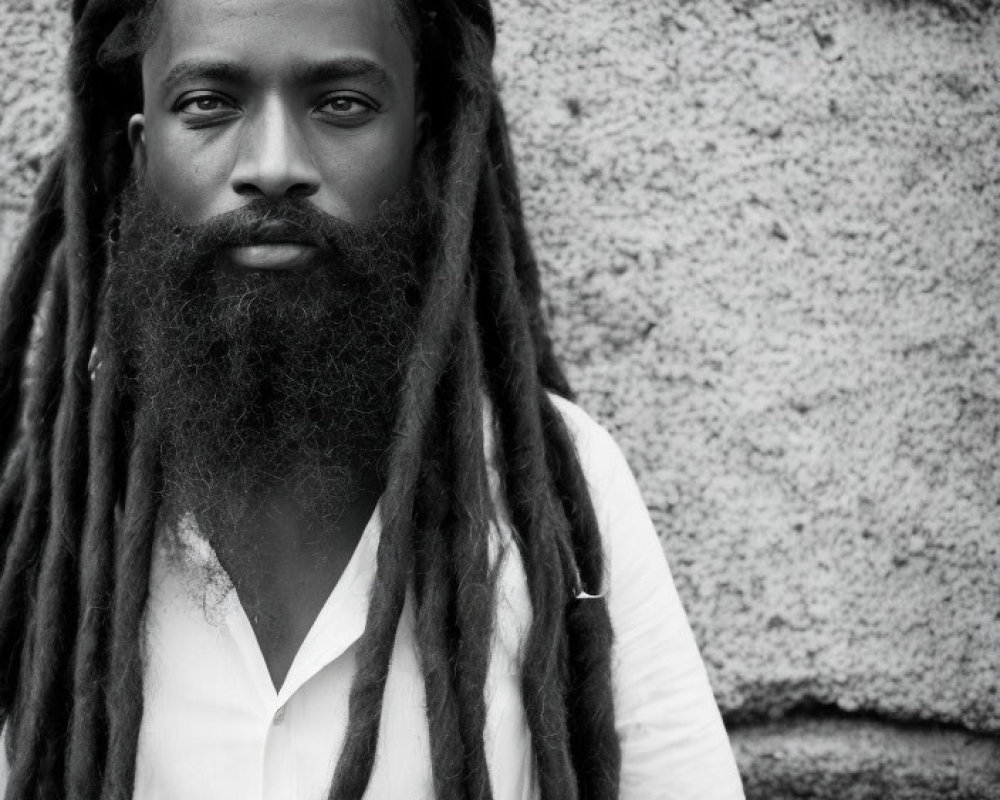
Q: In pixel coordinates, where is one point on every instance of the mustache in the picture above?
(272, 220)
(147, 224)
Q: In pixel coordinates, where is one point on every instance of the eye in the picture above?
(205, 107)
(205, 104)
(347, 108)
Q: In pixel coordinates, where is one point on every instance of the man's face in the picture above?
(297, 98)
(266, 278)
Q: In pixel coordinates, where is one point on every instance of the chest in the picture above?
(283, 574)
(215, 726)
(282, 594)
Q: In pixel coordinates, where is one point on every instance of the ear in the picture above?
(423, 128)
(422, 119)
(137, 140)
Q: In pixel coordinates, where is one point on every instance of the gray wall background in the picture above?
(770, 236)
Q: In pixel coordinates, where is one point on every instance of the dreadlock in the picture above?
(80, 484)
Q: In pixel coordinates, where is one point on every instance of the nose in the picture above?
(273, 157)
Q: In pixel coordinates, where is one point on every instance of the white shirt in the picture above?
(214, 727)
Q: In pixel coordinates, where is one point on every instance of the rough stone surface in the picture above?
(770, 236)
(769, 231)
(32, 105)
(865, 760)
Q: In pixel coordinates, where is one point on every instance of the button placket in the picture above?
(280, 779)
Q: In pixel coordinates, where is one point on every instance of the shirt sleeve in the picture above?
(4, 766)
(674, 745)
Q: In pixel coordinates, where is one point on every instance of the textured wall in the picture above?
(770, 234)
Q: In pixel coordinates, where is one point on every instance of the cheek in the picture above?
(193, 179)
(362, 170)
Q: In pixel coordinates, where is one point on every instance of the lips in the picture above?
(274, 245)
(280, 255)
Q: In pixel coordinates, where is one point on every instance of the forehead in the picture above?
(270, 34)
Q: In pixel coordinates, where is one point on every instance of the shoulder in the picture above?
(618, 504)
(600, 457)
(582, 427)
(673, 741)
(634, 558)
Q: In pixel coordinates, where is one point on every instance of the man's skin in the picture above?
(305, 98)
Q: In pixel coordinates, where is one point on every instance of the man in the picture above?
(292, 503)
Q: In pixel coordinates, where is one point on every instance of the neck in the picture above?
(283, 560)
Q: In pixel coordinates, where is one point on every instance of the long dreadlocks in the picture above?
(81, 479)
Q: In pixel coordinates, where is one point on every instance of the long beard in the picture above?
(265, 384)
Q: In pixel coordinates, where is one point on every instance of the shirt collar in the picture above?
(189, 570)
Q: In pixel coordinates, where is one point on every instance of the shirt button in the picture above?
(279, 716)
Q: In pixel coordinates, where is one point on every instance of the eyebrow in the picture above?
(340, 68)
(311, 72)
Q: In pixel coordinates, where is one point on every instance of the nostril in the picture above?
(275, 188)
(302, 190)
(247, 189)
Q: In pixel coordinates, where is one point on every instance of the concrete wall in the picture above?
(770, 234)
